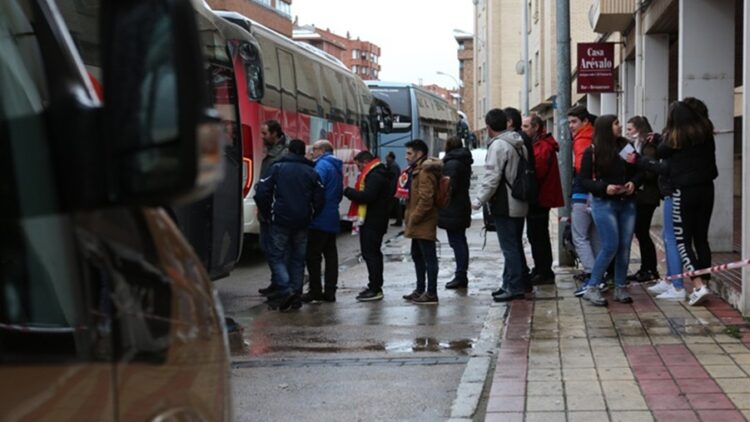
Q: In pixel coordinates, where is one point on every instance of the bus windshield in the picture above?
(399, 99)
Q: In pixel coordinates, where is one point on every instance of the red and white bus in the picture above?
(313, 95)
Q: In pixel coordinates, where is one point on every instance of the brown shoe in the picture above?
(425, 299)
(412, 295)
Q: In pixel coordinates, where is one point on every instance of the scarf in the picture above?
(403, 187)
(358, 212)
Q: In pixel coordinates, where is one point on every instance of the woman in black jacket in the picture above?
(646, 199)
(456, 217)
(690, 148)
(612, 181)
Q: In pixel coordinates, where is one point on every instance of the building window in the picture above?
(354, 69)
(284, 7)
(479, 74)
(461, 46)
(264, 2)
(537, 72)
(355, 54)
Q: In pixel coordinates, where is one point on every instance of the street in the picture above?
(388, 360)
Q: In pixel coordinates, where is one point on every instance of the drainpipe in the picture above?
(561, 120)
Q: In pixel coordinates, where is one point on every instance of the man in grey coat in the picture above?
(504, 152)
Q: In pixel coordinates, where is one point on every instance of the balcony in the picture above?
(611, 15)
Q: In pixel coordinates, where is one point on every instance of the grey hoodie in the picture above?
(502, 155)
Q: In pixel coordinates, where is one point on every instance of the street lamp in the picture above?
(459, 87)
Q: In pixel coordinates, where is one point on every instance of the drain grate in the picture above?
(301, 363)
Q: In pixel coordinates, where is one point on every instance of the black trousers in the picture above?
(398, 209)
(643, 215)
(537, 231)
(320, 243)
(370, 242)
(691, 215)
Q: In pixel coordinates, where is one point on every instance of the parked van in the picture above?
(106, 313)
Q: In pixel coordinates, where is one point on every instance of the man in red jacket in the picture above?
(550, 196)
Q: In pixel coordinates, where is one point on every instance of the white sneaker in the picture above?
(672, 294)
(699, 296)
(660, 287)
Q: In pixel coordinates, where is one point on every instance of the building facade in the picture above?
(361, 57)
(497, 51)
(665, 50)
(275, 14)
(465, 42)
(450, 95)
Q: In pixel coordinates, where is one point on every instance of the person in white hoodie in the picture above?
(504, 152)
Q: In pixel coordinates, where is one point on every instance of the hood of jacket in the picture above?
(294, 158)
(510, 136)
(461, 154)
(430, 165)
(548, 139)
(332, 160)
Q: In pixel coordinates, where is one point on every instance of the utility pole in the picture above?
(561, 122)
(526, 70)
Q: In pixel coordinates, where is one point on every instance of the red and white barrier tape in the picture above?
(715, 269)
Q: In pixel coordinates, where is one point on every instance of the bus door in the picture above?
(288, 93)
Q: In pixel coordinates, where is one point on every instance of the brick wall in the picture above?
(257, 12)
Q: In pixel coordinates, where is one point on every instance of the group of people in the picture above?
(617, 185)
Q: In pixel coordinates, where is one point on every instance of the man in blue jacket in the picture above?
(321, 238)
(289, 196)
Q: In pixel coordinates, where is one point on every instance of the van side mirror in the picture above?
(381, 116)
(165, 139)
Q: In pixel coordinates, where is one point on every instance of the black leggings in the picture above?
(643, 215)
(691, 216)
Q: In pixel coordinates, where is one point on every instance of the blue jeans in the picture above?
(425, 262)
(509, 234)
(674, 264)
(286, 255)
(615, 223)
(457, 240)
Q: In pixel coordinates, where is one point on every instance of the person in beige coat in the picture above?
(422, 219)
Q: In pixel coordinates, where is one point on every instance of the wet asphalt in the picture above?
(348, 361)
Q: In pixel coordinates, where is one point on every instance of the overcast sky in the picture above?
(415, 36)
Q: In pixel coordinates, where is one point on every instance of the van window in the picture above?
(39, 310)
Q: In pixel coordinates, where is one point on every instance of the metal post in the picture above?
(561, 120)
(526, 70)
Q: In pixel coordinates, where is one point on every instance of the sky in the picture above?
(415, 36)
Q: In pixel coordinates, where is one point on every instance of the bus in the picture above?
(417, 114)
(314, 96)
(234, 68)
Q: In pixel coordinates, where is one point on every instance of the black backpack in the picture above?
(524, 187)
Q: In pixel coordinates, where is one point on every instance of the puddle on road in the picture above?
(239, 346)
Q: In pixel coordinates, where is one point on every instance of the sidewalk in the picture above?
(562, 359)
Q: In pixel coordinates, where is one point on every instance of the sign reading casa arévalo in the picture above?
(596, 68)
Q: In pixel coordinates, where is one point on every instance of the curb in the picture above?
(473, 380)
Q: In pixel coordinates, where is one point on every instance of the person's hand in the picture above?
(614, 189)
(629, 188)
(650, 137)
(475, 204)
(632, 158)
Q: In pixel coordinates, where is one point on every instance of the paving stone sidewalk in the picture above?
(562, 359)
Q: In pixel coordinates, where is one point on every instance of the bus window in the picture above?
(335, 95)
(253, 72)
(399, 99)
(288, 82)
(307, 87)
(352, 109)
(272, 95)
(224, 98)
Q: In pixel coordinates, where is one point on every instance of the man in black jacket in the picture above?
(376, 196)
(289, 197)
(395, 171)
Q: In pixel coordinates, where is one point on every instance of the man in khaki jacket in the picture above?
(422, 218)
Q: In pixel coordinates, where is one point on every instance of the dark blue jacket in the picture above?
(329, 169)
(291, 193)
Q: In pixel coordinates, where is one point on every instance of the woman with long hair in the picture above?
(612, 181)
(690, 148)
(646, 199)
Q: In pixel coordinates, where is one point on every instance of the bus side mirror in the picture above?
(382, 118)
(164, 138)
